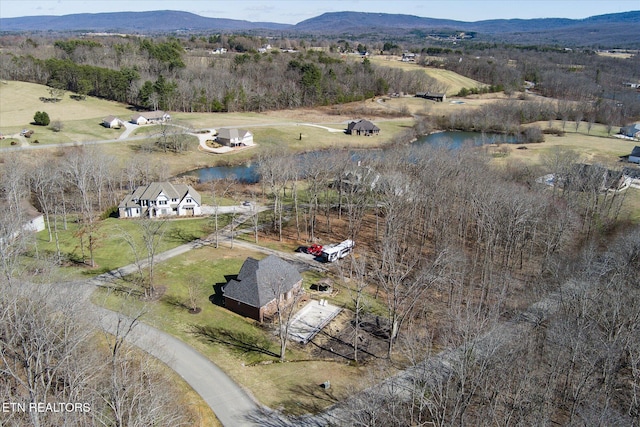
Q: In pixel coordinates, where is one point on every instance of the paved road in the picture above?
(232, 405)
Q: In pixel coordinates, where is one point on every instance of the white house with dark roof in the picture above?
(234, 137)
(150, 117)
(409, 57)
(112, 122)
(259, 285)
(161, 199)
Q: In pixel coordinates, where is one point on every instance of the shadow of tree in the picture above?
(316, 398)
(336, 345)
(266, 417)
(174, 301)
(182, 236)
(240, 341)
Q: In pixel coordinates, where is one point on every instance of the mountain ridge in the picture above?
(624, 26)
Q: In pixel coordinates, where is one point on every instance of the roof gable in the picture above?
(172, 191)
(365, 125)
(233, 133)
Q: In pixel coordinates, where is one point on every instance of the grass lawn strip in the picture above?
(111, 250)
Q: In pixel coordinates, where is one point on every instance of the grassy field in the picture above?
(631, 207)
(242, 348)
(81, 123)
(21, 100)
(111, 250)
(452, 81)
(593, 147)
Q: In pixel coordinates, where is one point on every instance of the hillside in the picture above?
(135, 22)
(615, 30)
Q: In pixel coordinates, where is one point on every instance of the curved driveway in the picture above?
(231, 404)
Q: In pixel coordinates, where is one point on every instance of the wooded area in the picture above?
(182, 74)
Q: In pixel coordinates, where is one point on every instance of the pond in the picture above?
(248, 173)
(457, 139)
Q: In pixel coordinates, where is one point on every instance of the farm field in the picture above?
(452, 81)
(21, 100)
(595, 147)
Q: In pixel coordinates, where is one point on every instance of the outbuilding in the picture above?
(438, 97)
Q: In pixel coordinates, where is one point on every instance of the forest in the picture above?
(505, 301)
(181, 74)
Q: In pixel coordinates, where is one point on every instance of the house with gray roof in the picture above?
(161, 199)
(150, 117)
(260, 285)
(631, 131)
(634, 157)
(234, 137)
(112, 122)
(362, 127)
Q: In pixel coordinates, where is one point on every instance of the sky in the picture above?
(294, 11)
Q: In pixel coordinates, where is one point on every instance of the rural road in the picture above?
(232, 404)
(125, 136)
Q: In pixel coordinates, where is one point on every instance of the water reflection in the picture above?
(248, 173)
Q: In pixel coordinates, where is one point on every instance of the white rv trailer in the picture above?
(339, 251)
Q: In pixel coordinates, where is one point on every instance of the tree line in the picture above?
(571, 75)
(178, 72)
(138, 72)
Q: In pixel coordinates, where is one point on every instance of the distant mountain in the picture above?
(618, 29)
(337, 22)
(133, 22)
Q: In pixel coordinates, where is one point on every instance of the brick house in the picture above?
(253, 293)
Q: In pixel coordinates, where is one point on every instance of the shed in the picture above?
(438, 97)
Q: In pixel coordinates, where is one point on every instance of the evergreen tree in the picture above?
(41, 118)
